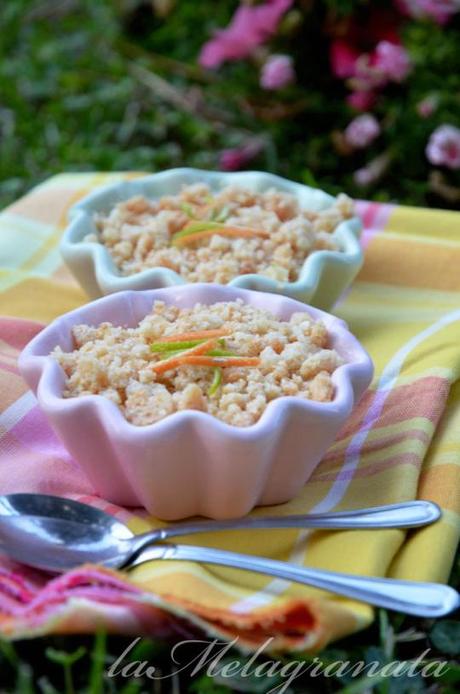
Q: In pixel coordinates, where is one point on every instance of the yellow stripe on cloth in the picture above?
(430, 264)
(402, 441)
(50, 299)
(439, 225)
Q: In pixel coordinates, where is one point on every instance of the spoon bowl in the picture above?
(55, 534)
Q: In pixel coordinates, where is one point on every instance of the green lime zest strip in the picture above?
(187, 209)
(195, 227)
(179, 346)
(221, 215)
(220, 353)
(216, 382)
(174, 346)
(210, 353)
(173, 353)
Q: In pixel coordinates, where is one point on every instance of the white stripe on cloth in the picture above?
(15, 412)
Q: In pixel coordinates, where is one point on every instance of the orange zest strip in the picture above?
(168, 364)
(203, 360)
(197, 335)
(221, 231)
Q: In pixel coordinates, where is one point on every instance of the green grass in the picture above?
(112, 85)
(76, 100)
(80, 664)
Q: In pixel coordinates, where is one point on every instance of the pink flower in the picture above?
(443, 148)
(392, 61)
(362, 131)
(232, 159)
(439, 10)
(343, 58)
(369, 72)
(368, 75)
(277, 72)
(388, 62)
(250, 26)
(236, 158)
(361, 100)
(427, 106)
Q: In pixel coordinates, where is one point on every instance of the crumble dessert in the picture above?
(208, 236)
(229, 359)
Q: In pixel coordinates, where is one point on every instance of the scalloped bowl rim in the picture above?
(49, 390)
(107, 274)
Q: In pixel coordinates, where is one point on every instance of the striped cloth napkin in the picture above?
(402, 442)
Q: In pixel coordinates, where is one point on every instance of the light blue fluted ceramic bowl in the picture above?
(324, 275)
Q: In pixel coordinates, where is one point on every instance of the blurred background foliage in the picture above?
(117, 85)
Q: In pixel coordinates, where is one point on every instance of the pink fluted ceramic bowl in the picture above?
(191, 463)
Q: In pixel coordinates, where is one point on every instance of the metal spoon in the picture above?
(30, 534)
(56, 534)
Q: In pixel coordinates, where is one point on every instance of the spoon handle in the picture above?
(411, 597)
(404, 515)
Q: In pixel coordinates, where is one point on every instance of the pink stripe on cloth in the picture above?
(374, 216)
(18, 332)
(331, 460)
(41, 463)
(425, 397)
(27, 605)
(9, 368)
(13, 587)
(35, 434)
(369, 470)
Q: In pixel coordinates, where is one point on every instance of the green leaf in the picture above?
(132, 687)
(364, 684)
(451, 675)
(308, 178)
(8, 652)
(63, 657)
(250, 684)
(445, 636)
(207, 685)
(25, 680)
(98, 660)
(148, 649)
